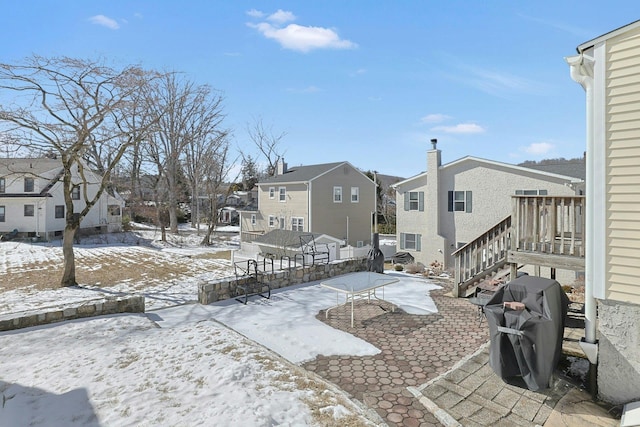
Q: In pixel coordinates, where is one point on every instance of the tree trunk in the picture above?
(207, 237)
(69, 275)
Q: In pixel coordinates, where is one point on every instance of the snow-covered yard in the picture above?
(181, 363)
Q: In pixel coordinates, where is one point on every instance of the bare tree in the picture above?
(268, 144)
(206, 140)
(190, 121)
(74, 108)
(216, 169)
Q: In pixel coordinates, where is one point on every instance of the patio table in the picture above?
(356, 285)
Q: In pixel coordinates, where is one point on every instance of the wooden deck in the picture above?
(541, 231)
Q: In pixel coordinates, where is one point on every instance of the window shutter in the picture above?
(468, 204)
(401, 240)
(450, 195)
(406, 201)
(421, 201)
(418, 242)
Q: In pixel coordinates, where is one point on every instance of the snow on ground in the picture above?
(179, 364)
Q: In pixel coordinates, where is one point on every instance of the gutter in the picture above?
(581, 71)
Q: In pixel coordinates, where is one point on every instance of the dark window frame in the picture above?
(59, 211)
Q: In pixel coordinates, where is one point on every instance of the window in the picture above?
(28, 185)
(414, 201)
(113, 210)
(297, 224)
(410, 241)
(337, 194)
(272, 192)
(2, 185)
(29, 210)
(355, 194)
(59, 211)
(272, 221)
(2, 211)
(531, 192)
(460, 201)
(283, 194)
(75, 192)
(253, 219)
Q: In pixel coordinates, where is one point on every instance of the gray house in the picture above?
(334, 199)
(442, 209)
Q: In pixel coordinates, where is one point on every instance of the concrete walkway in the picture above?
(433, 370)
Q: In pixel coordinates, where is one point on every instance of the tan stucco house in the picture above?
(442, 209)
(608, 68)
(334, 199)
(32, 200)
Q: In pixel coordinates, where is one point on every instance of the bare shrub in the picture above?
(415, 267)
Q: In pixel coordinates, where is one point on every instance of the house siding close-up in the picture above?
(608, 70)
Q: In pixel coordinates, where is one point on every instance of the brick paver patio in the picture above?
(414, 349)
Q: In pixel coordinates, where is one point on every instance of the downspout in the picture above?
(581, 71)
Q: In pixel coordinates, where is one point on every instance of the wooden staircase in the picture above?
(483, 259)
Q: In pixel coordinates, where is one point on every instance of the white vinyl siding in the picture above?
(622, 94)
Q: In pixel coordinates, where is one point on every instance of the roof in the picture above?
(556, 172)
(34, 166)
(574, 170)
(586, 45)
(302, 173)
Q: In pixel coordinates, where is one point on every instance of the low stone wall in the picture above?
(212, 290)
(129, 304)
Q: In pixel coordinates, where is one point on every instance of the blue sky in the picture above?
(366, 82)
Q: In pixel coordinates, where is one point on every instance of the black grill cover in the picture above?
(526, 345)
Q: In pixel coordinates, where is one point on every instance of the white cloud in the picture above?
(255, 13)
(281, 16)
(539, 148)
(461, 128)
(435, 118)
(298, 37)
(105, 21)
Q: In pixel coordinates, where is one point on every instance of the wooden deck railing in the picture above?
(542, 230)
(482, 256)
(548, 231)
(549, 225)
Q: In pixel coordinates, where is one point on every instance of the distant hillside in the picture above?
(575, 168)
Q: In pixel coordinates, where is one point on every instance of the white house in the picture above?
(608, 68)
(449, 205)
(32, 201)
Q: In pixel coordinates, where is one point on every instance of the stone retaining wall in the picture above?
(111, 305)
(212, 290)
